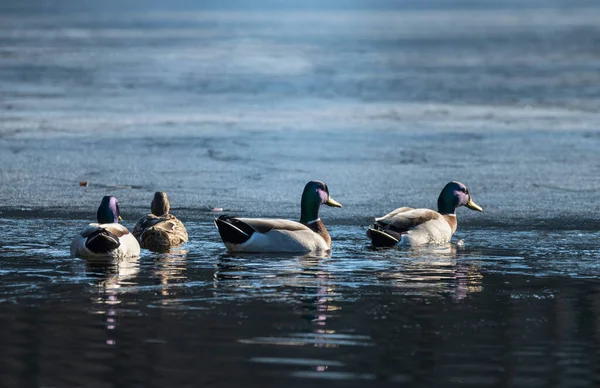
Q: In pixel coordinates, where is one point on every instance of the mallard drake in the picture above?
(107, 238)
(159, 230)
(413, 227)
(278, 235)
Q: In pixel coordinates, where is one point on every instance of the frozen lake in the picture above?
(238, 108)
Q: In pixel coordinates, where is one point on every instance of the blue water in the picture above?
(239, 105)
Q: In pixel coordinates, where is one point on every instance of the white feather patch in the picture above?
(299, 241)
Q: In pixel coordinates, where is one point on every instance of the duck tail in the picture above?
(102, 241)
(155, 240)
(381, 239)
(233, 230)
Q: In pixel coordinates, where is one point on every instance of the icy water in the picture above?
(238, 108)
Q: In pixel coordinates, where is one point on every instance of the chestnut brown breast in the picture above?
(319, 228)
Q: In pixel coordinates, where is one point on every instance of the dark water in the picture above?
(480, 315)
(238, 108)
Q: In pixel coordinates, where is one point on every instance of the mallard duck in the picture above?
(278, 235)
(107, 238)
(159, 230)
(413, 227)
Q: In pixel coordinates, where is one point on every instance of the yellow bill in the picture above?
(333, 202)
(120, 218)
(473, 206)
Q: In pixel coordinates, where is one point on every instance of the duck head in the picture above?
(160, 204)
(315, 194)
(454, 195)
(109, 212)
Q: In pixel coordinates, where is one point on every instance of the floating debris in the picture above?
(84, 183)
(217, 209)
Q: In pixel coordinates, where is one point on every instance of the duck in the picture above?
(268, 235)
(160, 230)
(106, 239)
(407, 226)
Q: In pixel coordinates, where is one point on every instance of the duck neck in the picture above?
(309, 210)
(446, 207)
(309, 216)
(160, 208)
(160, 205)
(106, 216)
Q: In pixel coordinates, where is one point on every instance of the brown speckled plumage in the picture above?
(159, 231)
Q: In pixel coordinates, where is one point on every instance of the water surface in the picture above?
(239, 108)
(479, 313)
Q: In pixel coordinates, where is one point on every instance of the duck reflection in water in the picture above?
(308, 290)
(317, 296)
(251, 272)
(110, 277)
(435, 270)
(170, 269)
(113, 274)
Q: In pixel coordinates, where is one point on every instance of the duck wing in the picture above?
(387, 231)
(394, 213)
(147, 221)
(239, 230)
(265, 225)
(403, 221)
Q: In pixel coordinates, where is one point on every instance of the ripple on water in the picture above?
(326, 340)
(357, 314)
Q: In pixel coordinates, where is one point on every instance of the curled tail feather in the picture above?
(102, 241)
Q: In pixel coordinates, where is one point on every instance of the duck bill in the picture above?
(473, 206)
(332, 202)
(120, 218)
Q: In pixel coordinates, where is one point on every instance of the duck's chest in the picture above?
(319, 228)
(436, 231)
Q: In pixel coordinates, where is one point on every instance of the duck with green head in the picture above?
(106, 239)
(160, 230)
(413, 227)
(279, 235)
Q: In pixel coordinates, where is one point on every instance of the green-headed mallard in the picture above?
(107, 238)
(413, 227)
(159, 230)
(279, 235)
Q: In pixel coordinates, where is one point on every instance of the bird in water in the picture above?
(279, 235)
(106, 239)
(414, 227)
(160, 230)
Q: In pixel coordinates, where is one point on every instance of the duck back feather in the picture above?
(160, 233)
